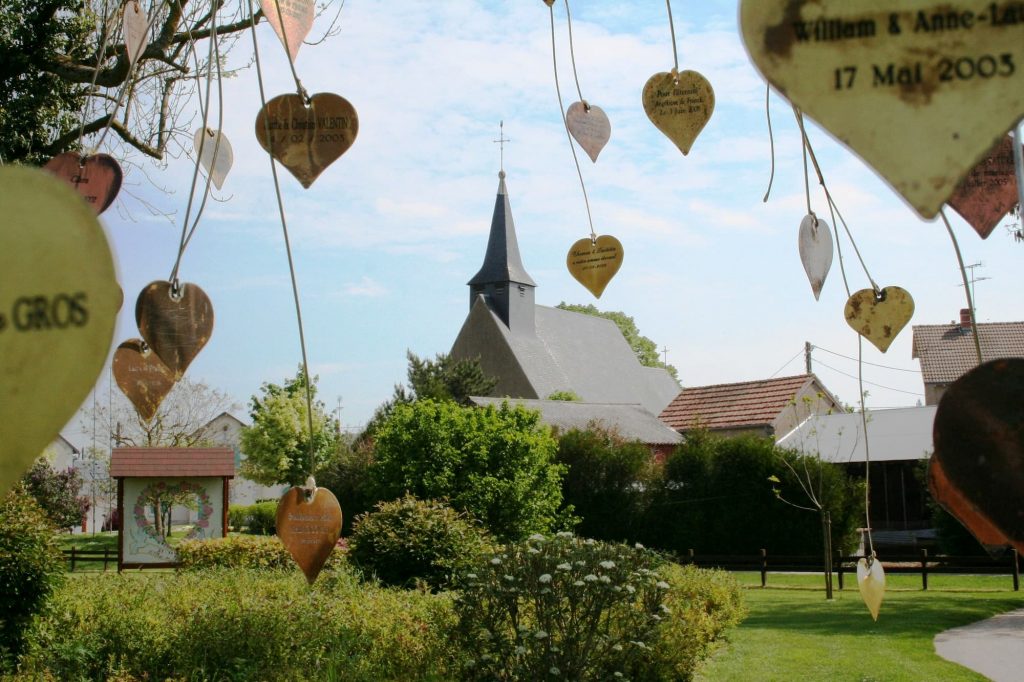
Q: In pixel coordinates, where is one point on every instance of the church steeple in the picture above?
(502, 279)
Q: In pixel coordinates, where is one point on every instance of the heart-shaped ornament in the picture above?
(176, 324)
(589, 126)
(142, 376)
(871, 582)
(136, 30)
(977, 469)
(58, 302)
(815, 243)
(679, 105)
(96, 178)
(309, 527)
(920, 91)
(291, 21)
(879, 318)
(989, 191)
(214, 153)
(306, 140)
(594, 262)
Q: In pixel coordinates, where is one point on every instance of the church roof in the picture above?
(946, 351)
(502, 262)
(632, 422)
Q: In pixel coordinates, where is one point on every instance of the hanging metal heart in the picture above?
(214, 153)
(589, 126)
(142, 376)
(594, 262)
(899, 83)
(136, 30)
(58, 303)
(306, 140)
(989, 191)
(977, 469)
(291, 21)
(176, 324)
(871, 582)
(879, 318)
(815, 244)
(96, 178)
(679, 105)
(309, 527)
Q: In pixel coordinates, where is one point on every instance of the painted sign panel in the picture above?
(144, 539)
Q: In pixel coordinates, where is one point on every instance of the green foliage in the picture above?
(56, 493)
(277, 444)
(241, 551)
(953, 536)
(583, 610)
(568, 396)
(31, 567)
(645, 349)
(238, 624)
(348, 477)
(412, 541)
(608, 482)
(446, 378)
(494, 464)
(255, 519)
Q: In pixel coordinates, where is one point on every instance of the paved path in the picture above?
(993, 647)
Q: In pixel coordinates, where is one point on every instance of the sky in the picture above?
(386, 238)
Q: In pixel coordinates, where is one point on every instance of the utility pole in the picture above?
(807, 356)
(972, 280)
(338, 422)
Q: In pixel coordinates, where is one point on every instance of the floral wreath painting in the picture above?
(146, 532)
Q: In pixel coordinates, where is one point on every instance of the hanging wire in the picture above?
(807, 184)
(572, 56)
(561, 110)
(672, 30)
(102, 50)
(798, 353)
(288, 251)
(1018, 163)
(771, 140)
(873, 364)
(870, 383)
(967, 287)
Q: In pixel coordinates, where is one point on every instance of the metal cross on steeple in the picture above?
(502, 140)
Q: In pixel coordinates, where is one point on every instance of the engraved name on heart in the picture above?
(989, 191)
(142, 376)
(679, 105)
(306, 140)
(58, 303)
(594, 262)
(589, 126)
(871, 583)
(176, 324)
(879, 318)
(97, 178)
(291, 21)
(920, 90)
(815, 243)
(309, 527)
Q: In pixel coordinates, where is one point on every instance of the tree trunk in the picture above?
(826, 529)
(158, 520)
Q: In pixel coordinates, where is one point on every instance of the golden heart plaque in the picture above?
(679, 105)
(594, 262)
(879, 317)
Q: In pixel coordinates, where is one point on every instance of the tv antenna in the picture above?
(974, 279)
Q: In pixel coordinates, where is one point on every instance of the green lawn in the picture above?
(794, 634)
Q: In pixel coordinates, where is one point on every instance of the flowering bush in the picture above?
(563, 607)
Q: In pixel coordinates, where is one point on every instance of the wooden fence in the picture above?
(79, 556)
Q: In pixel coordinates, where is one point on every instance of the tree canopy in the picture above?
(56, 492)
(646, 350)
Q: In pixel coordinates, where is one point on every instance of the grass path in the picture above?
(793, 634)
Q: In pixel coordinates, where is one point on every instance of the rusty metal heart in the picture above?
(175, 324)
(291, 21)
(306, 140)
(679, 105)
(215, 154)
(594, 262)
(989, 191)
(879, 318)
(58, 303)
(871, 583)
(977, 470)
(136, 30)
(918, 91)
(589, 126)
(815, 243)
(142, 376)
(309, 528)
(96, 178)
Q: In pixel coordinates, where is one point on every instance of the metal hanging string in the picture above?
(967, 287)
(1018, 164)
(807, 184)
(572, 57)
(288, 251)
(672, 30)
(288, 53)
(102, 50)
(771, 141)
(565, 123)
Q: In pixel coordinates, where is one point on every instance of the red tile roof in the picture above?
(172, 462)
(729, 406)
(946, 352)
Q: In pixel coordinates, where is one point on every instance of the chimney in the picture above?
(965, 320)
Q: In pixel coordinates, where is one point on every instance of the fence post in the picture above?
(72, 559)
(924, 569)
(764, 567)
(839, 568)
(689, 554)
(106, 554)
(1015, 558)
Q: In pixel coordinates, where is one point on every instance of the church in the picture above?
(535, 350)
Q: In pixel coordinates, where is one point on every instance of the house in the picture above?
(225, 430)
(535, 350)
(632, 422)
(947, 351)
(61, 454)
(769, 407)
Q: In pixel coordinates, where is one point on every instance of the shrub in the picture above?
(56, 493)
(348, 477)
(240, 551)
(31, 567)
(412, 540)
(581, 609)
(255, 519)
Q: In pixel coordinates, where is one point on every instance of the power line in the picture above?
(852, 376)
(873, 364)
(787, 363)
